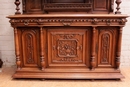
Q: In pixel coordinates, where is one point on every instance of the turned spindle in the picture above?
(118, 2)
(93, 49)
(17, 3)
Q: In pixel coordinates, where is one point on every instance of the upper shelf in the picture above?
(67, 6)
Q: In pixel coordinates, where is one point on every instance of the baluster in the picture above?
(42, 49)
(93, 49)
(17, 3)
(118, 2)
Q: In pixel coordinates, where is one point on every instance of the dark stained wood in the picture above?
(68, 39)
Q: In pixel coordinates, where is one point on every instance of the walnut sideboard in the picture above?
(68, 46)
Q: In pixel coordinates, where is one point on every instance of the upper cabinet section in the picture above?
(67, 6)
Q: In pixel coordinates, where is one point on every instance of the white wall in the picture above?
(7, 53)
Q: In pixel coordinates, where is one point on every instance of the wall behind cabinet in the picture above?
(7, 53)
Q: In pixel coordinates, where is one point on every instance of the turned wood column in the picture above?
(17, 3)
(17, 49)
(42, 58)
(118, 2)
(93, 48)
(118, 53)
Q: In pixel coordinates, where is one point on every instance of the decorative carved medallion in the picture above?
(67, 48)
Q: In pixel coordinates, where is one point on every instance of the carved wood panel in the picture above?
(102, 6)
(34, 6)
(67, 46)
(107, 46)
(30, 47)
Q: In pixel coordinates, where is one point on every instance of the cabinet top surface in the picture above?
(68, 15)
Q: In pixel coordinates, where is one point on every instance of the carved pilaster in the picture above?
(42, 58)
(17, 3)
(118, 53)
(17, 50)
(118, 2)
(93, 48)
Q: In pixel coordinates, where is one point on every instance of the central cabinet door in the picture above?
(68, 46)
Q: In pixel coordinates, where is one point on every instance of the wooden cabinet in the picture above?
(77, 39)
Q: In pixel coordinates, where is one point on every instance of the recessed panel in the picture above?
(67, 46)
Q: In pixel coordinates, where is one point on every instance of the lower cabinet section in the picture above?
(67, 52)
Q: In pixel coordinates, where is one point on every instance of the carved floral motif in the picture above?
(67, 48)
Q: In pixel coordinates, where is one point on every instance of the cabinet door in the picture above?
(29, 47)
(107, 37)
(68, 47)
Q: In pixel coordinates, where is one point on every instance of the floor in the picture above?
(7, 81)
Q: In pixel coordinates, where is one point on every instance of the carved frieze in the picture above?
(69, 22)
(87, 6)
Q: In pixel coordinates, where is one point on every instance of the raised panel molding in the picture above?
(107, 41)
(103, 6)
(67, 47)
(29, 39)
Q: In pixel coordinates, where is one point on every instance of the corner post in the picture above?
(42, 58)
(118, 53)
(17, 49)
(93, 64)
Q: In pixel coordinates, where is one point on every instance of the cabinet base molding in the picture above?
(69, 75)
